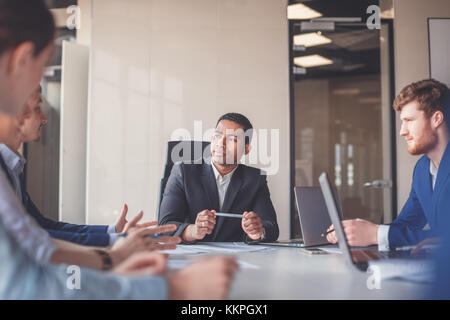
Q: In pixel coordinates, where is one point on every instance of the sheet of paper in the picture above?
(176, 264)
(229, 247)
(215, 247)
(183, 249)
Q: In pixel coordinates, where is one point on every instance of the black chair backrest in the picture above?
(182, 151)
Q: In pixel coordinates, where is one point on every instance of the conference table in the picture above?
(288, 273)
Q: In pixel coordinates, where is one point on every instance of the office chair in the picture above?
(182, 151)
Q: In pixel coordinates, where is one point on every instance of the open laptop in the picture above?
(356, 256)
(313, 217)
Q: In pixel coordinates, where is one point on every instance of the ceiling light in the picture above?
(301, 12)
(311, 39)
(314, 60)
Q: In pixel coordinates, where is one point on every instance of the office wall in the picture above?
(411, 64)
(157, 67)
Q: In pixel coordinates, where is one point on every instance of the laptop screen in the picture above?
(335, 214)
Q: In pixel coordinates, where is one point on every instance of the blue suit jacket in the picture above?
(192, 188)
(81, 234)
(424, 205)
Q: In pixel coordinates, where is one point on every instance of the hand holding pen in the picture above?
(330, 234)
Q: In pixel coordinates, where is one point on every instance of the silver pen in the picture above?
(229, 215)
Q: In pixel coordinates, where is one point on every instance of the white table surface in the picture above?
(288, 273)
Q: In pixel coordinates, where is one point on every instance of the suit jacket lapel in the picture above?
(210, 186)
(233, 189)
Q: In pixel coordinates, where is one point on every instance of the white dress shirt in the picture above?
(383, 229)
(222, 183)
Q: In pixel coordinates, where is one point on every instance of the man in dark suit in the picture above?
(195, 192)
(425, 113)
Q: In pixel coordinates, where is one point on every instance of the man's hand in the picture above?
(204, 224)
(142, 240)
(123, 226)
(358, 232)
(208, 278)
(143, 263)
(122, 221)
(252, 225)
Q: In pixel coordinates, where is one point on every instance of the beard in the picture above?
(423, 144)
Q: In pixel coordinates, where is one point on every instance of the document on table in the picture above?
(229, 247)
(176, 264)
(215, 247)
(183, 249)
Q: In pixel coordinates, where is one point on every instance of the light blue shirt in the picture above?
(22, 278)
(15, 164)
(32, 239)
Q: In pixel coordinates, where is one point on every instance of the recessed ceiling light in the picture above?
(314, 60)
(311, 39)
(301, 12)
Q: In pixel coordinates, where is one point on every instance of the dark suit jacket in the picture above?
(424, 205)
(192, 188)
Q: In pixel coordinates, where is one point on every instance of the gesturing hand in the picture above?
(122, 224)
(141, 240)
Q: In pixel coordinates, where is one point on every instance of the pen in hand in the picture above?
(325, 234)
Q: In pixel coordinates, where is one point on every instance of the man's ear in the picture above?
(437, 119)
(247, 148)
(20, 58)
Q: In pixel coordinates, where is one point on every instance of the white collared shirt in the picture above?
(222, 183)
(383, 229)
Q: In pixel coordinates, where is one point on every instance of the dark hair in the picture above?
(430, 94)
(25, 20)
(241, 120)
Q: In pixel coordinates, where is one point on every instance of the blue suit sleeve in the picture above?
(49, 224)
(86, 239)
(407, 229)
